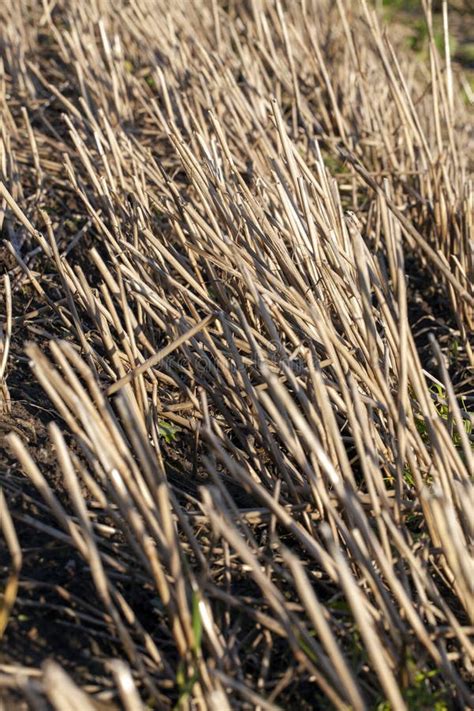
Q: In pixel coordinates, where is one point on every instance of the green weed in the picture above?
(420, 696)
(168, 431)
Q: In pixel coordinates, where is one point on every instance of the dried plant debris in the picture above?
(236, 358)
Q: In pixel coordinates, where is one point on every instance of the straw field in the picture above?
(236, 356)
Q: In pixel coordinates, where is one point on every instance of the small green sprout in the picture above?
(168, 431)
